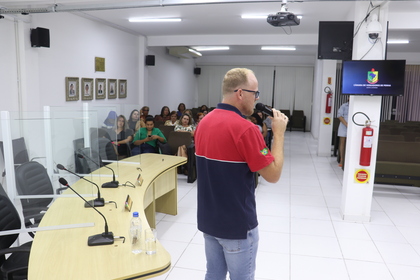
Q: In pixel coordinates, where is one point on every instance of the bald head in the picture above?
(235, 78)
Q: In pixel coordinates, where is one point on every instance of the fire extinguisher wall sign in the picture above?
(367, 141)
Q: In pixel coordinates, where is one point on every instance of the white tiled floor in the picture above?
(302, 235)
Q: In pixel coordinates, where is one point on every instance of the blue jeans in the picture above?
(238, 256)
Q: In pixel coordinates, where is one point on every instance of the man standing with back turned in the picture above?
(229, 149)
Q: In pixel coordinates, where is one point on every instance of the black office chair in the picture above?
(33, 179)
(105, 149)
(15, 267)
(20, 152)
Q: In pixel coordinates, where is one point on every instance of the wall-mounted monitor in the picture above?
(373, 77)
(335, 40)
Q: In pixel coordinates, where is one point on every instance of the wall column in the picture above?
(357, 194)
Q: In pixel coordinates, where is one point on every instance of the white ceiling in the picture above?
(219, 22)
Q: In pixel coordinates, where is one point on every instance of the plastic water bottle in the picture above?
(136, 233)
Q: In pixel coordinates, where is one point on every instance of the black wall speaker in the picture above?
(40, 37)
(335, 40)
(197, 70)
(150, 60)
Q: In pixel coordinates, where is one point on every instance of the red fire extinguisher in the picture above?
(366, 149)
(328, 104)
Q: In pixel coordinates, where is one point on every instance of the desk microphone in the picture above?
(99, 201)
(113, 183)
(264, 108)
(105, 238)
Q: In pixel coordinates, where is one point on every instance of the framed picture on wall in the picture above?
(112, 88)
(100, 86)
(122, 88)
(87, 89)
(72, 89)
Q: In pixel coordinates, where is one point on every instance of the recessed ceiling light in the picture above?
(154, 20)
(390, 41)
(215, 48)
(277, 48)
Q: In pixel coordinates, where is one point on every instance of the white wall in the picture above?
(170, 82)
(74, 44)
(8, 70)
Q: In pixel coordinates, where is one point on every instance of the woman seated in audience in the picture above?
(145, 140)
(261, 123)
(139, 125)
(144, 112)
(165, 115)
(173, 121)
(198, 118)
(185, 124)
(134, 118)
(122, 138)
(181, 109)
(189, 112)
(204, 109)
(110, 120)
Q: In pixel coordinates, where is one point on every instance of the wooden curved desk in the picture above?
(64, 254)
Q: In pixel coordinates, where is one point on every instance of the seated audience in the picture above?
(189, 112)
(260, 122)
(145, 139)
(165, 114)
(198, 118)
(173, 121)
(133, 119)
(122, 139)
(109, 122)
(144, 112)
(204, 109)
(185, 124)
(181, 109)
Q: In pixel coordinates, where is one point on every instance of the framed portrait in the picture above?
(87, 89)
(72, 89)
(112, 88)
(122, 88)
(100, 86)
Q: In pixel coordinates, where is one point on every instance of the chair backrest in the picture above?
(33, 179)
(20, 152)
(10, 220)
(105, 148)
(286, 112)
(84, 165)
(166, 130)
(177, 139)
(298, 114)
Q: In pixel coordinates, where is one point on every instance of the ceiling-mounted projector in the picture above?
(283, 19)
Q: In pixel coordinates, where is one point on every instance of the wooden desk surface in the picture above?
(64, 253)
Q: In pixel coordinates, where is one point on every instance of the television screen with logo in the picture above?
(373, 77)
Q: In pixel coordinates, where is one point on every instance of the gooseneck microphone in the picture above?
(113, 183)
(264, 108)
(99, 201)
(105, 238)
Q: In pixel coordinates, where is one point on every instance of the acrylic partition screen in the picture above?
(45, 140)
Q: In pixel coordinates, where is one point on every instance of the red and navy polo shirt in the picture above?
(229, 149)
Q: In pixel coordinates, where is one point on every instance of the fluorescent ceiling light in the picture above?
(195, 52)
(390, 41)
(277, 48)
(261, 16)
(154, 20)
(202, 49)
